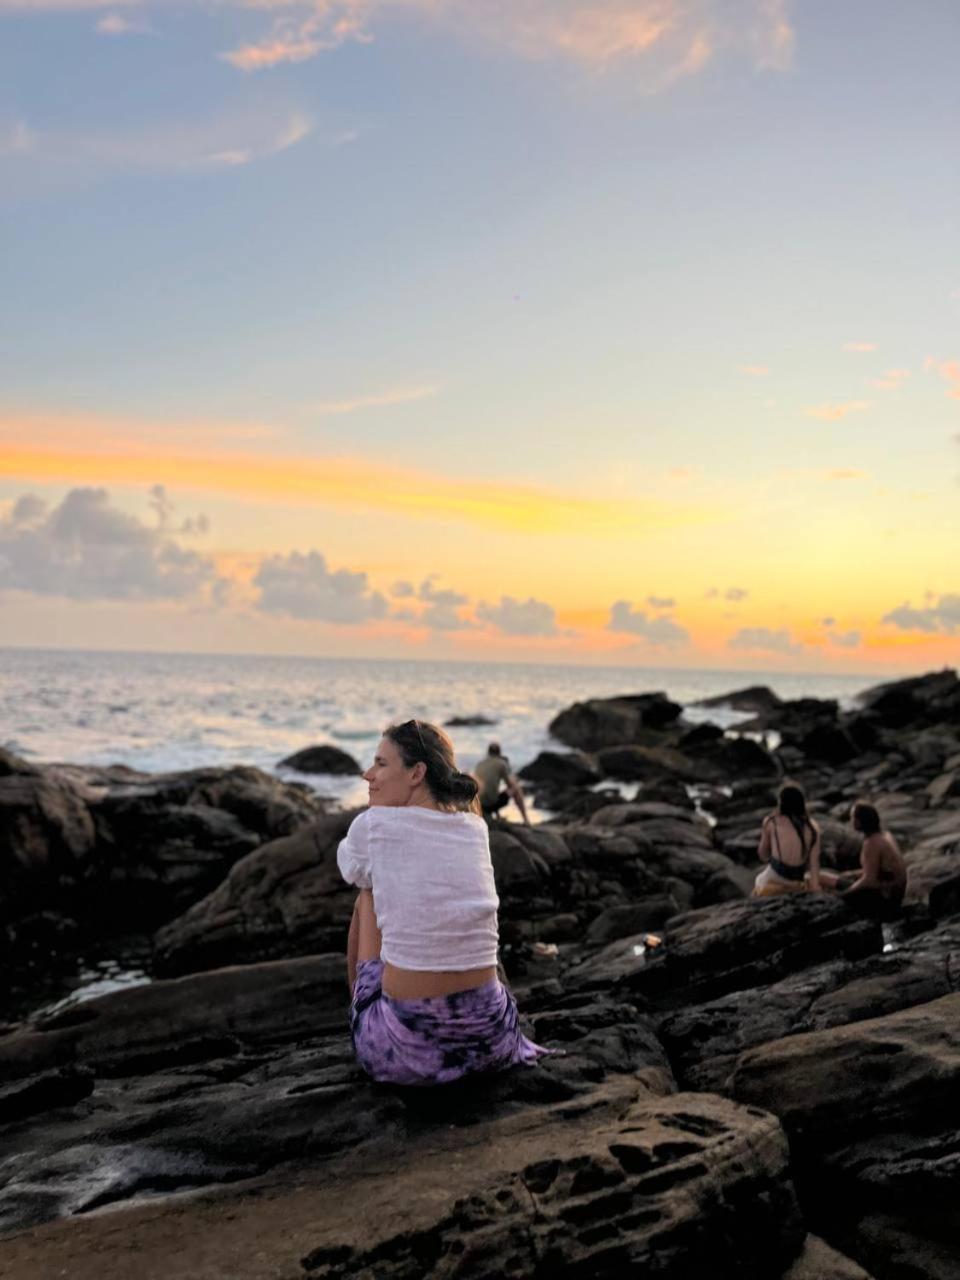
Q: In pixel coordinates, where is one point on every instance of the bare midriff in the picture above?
(420, 984)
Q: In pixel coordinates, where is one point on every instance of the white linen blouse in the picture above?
(432, 880)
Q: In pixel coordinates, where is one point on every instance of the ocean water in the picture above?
(159, 712)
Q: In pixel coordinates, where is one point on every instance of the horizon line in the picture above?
(458, 662)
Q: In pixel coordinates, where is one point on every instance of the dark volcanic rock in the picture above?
(468, 722)
(46, 831)
(89, 853)
(735, 946)
(698, 735)
(324, 758)
(871, 1111)
(664, 1194)
(723, 759)
(223, 1075)
(705, 1040)
(644, 764)
(150, 1028)
(565, 768)
(625, 921)
(929, 699)
(757, 698)
(613, 722)
(285, 899)
(829, 742)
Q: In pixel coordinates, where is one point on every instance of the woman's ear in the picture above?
(418, 773)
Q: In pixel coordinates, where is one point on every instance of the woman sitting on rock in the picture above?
(790, 846)
(877, 892)
(428, 1006)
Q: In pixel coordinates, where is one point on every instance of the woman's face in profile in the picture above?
(388, 779)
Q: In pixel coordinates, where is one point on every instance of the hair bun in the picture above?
(462, 786)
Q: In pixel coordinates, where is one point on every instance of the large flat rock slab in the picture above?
(705, 1040)
(677, 1187)
(177, 1021)
(832, 1086)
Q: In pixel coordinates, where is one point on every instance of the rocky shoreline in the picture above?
(770, 1093)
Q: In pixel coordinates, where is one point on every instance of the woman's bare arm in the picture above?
(353, 938)
(764, 847)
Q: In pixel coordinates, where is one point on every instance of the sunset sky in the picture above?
(607, 331)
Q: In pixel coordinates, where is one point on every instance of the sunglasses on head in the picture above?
(416, 725)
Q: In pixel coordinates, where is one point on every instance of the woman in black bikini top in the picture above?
(790, 845)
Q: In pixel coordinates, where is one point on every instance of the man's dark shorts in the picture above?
(490, 807)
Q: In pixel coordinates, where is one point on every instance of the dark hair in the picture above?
(493, 749)
(792, 803)
(421, 743)
(866, 818)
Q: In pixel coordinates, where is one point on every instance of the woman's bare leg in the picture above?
(363, 941)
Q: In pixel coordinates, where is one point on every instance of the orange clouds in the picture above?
(345, 482)
(949, 370)
(675, 38)
(254, 57)
(834, 412)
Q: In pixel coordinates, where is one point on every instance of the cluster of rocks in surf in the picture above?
(768, 1093)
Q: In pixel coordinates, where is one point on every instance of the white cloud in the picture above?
(661, 602)
(519, 617)
(764, 640)
(402, 590)
(190, 146)
(87, 549)
(115, 24)
(302, 586)
(403, 395)
(834, 412)
(657, 631)
(943, 615)
(891, 379)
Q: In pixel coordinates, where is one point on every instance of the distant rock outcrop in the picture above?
(324, 758)
(756, 698)
(613, 722)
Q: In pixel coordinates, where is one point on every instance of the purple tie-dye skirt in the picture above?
(438, 1039)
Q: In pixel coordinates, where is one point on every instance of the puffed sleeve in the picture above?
(353, 855)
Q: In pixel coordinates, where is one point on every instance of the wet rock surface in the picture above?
(762, 1089)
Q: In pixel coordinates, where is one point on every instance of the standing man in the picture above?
(490, 772)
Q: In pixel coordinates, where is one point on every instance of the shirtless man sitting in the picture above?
(878, 890)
